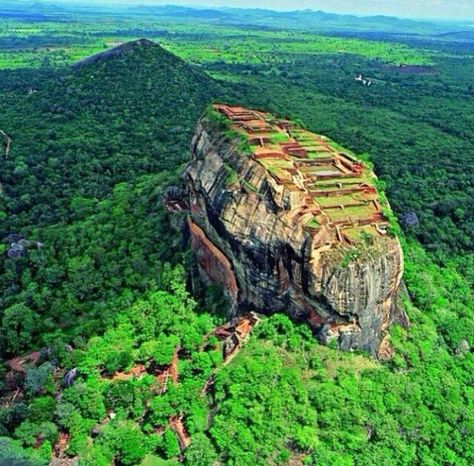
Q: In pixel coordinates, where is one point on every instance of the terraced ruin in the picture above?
(286, 220)
(330, 189)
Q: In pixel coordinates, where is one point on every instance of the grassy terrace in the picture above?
(333, 176)
(275, 164)
(348, 200)
(313, 223)
(314, 155)
(334, 182)
(360, 211)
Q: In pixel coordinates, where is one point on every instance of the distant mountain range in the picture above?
(298, 19)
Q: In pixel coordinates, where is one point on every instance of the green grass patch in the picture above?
(313, 223)
(278, 137)
(351, 211)
(232, 176)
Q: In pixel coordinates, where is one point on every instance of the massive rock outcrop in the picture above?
(288, 221)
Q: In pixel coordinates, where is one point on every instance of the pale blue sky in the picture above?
(441, 9)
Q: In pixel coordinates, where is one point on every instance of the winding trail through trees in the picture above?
(7, 142)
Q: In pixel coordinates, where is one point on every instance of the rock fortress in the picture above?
(286, 220)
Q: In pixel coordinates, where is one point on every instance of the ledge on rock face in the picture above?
(289, 221)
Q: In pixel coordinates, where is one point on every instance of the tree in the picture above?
(42, 409)
(19, 323)
(31, 434)
(170, 444)
(200, 452)
(12, 454)
(38, 377)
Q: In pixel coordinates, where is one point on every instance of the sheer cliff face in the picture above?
(286, 222)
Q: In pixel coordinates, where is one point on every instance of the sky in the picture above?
(439, 9)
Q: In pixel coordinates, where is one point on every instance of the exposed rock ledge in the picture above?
(287, 221)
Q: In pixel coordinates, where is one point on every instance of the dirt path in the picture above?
(20, 363)
(7, 141)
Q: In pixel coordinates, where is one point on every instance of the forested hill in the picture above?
(82, 222)
(85, 285)
(109, 119)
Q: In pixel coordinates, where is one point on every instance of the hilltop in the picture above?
(121, 113)
(120, 51)
(90, 144)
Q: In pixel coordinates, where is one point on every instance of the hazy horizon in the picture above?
(416, 9)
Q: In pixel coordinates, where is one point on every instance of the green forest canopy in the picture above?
(94, 148)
